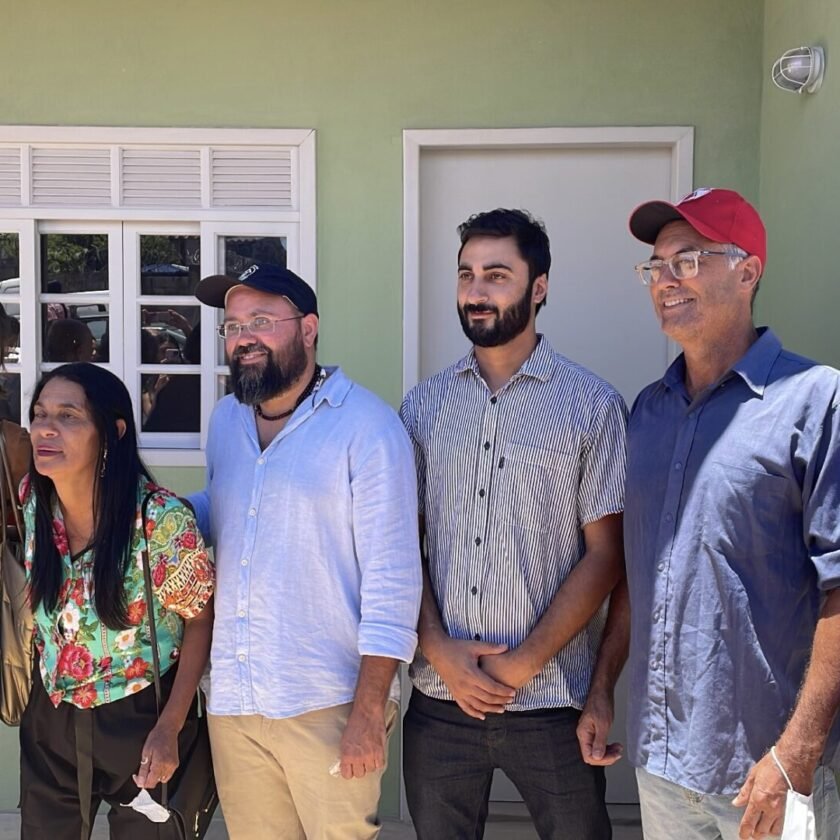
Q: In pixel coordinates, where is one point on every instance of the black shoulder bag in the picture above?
(194, 800)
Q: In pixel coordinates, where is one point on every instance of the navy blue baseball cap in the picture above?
(273, 279)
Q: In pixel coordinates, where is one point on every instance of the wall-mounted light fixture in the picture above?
(799, 70)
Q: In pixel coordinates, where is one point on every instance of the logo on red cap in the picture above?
(698, 193)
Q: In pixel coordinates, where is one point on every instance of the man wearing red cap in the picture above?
(732, 536)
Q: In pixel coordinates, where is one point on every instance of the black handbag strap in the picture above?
(150, 616)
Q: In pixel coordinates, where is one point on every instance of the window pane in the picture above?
(170, 335)
(171, 403)
(170, 265)
(241, 252)
(9, 257)
(10, 396)
(9, 334)
(75, 332)
(73, 262)
(9, 285)
(223, 387)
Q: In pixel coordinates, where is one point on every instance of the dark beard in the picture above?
(505, 328)
(254, 384)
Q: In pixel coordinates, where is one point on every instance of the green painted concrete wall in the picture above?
(360, 72)
(800, 185)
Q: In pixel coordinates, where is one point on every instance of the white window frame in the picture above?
(297, 225)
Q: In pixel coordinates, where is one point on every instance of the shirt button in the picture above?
(690, 415)
(244, 561)
(493, 400)
(486, 445)
(242, 657)
(478, 540)
(678, 466)
(242, 613)
(474, 590)
(655, 615)
(481, 492)
(252, 512)
(654, 665)
(660, 567)
(477, 637)
(669, 517)
(260, 460)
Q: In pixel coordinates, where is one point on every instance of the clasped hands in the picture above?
(481, 677)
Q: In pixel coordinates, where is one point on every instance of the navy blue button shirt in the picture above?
(732, 532)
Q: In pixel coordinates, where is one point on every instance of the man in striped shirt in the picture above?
(520, 462)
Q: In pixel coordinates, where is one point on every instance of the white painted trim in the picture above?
(105, 135)
(679, 138)
(144, 214)
(516, 138)
(306, 206)
(411, 257)
(174, 457)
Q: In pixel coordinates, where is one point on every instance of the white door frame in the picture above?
(678, 138)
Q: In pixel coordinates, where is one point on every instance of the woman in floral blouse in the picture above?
(91, 731)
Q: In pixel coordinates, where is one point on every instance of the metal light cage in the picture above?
(799, 70)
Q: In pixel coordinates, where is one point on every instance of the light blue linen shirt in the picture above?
(316, 546)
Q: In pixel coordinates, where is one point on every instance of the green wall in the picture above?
(360, 72)
(800, 185)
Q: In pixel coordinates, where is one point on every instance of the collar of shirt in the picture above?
(539, 365)
(753, 367)
(334, 391)
(335, 388)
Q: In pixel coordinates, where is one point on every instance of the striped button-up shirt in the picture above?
(507, 481)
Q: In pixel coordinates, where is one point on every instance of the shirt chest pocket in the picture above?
(531, 482)
(748, 513)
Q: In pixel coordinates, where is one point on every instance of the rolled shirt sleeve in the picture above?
(384, 491)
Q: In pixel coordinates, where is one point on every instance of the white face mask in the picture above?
(144, 804)
(800, 823)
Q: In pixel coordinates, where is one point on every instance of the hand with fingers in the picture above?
(475, 691)
(764, 794)
(594, 727)
(158, 758)
(363, 743)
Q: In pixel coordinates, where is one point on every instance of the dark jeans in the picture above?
(449, 758)
(50, 752)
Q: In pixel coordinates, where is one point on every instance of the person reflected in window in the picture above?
(69, 340)
(55, 310)
(177, 403)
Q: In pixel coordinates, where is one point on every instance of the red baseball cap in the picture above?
(719, 215)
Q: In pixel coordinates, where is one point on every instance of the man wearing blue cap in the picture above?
(308, 504)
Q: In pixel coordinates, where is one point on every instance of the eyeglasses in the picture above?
(259, 326)
(683, 266)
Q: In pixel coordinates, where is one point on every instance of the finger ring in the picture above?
(144, 759)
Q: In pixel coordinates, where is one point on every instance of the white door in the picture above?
(597, 312)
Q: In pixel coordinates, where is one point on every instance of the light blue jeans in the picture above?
(672, 812)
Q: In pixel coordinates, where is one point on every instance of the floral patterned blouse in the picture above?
(85, 663)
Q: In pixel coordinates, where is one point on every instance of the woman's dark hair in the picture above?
(118, 471)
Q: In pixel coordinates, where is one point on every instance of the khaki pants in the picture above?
(274, 780)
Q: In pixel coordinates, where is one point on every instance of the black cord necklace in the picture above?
(313, 385)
